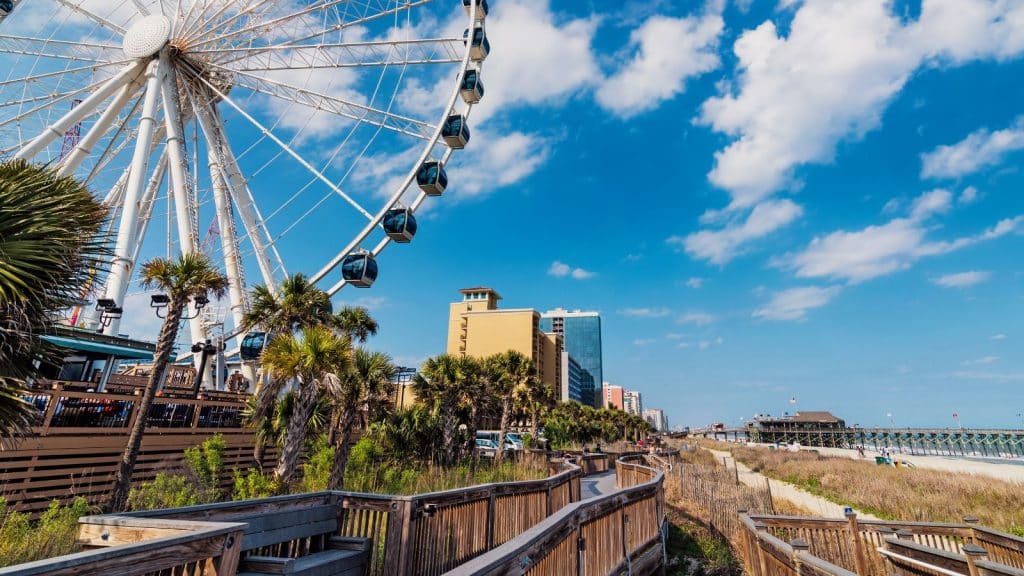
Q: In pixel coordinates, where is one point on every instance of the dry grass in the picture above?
(895, 493)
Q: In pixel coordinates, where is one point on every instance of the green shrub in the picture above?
(255, 484)
(54, 534)
(164, 491)
(206, 462)
(197, 483)
(317, 470)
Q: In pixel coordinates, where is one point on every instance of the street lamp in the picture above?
(109, 312)
(160, 301)
(206, 349)
(891, 421)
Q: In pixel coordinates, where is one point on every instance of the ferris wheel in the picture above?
(301, 133)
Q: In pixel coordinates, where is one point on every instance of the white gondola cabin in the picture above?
(455, 132)
(359, 269)
(481, 8)
(432, 178)
(400, 225)
(480, 46)
(472, 89)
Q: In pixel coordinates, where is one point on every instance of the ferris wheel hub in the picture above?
(147, 36)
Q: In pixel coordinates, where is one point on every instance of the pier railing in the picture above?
(614, 534)
(874, 547)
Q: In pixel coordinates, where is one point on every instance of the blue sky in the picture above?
(765, 200)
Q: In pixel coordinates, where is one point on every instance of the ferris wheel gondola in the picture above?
(431, 178)
(400, 225)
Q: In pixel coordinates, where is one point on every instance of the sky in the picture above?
(766, 200)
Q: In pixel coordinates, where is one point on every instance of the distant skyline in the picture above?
(763, 199)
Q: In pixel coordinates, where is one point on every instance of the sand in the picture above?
(1008, 472)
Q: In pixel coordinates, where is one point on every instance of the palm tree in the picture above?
(315, 359)
(189, 277)
(514, 371)
(362, 388)
(298, 304)
(356, 322)
(535, 397)
(49, 240)
(441, 385)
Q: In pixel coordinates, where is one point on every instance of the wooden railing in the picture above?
(612, 534)
(874, 547)
(143, 547)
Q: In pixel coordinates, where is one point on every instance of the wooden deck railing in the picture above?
(874, 547)
(612, 534)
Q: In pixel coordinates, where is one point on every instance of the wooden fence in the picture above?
(612, 534)
(76, 448)
(717, 496)
(880, 548)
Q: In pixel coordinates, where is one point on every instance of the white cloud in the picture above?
(643, 341)
(645, 312)
(968, 196)
(704, 344)
(797, 96)
(997, 337)
(674, 336)
(722, 245)
(978, 150)
(695, 282)
(696, 317)
(562, 270)
(666, 52)
(683, 345)
(984, 360)
(495, 160)
(935, 202)
(962, 279)
(794, 303)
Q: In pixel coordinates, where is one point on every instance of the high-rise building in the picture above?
(581, 335)
(656, 418)
(613, 396)
(478, 328)
(577, 382)
(632, 402)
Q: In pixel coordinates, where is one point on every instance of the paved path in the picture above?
(816, 505)
(597, 485)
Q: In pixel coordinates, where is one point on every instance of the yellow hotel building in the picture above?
(478, 328)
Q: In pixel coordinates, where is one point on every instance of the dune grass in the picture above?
(895, 493)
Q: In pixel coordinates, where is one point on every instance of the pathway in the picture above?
(816, 505)
(597, 485)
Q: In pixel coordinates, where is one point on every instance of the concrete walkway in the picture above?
(597, 485)
(816, 505)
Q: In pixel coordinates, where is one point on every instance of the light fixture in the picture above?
(104, 303)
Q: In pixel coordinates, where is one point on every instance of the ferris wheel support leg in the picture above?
(61, 126)
(216, 140)
(105, 121)
(177, 168)
(122, 265)
(147, 202)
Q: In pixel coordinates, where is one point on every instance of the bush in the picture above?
(254, 485)
(197, 483)
(164, 491)
(54, 534)
(316, 472)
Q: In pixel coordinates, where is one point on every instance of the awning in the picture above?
(99, 347)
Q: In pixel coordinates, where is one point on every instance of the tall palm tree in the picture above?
(441, 385)
(49, 240)
(356, 322)
(316, 359)
(298, 304)
(362, 388)
(535, 398)
(514, 371)
(190, 276)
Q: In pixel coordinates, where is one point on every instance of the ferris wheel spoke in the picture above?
(209, 25)
(103, 124)
(348, 55)
(77, 7)
(339, 106)
(38, 78)
(61, 49)
(287, 149)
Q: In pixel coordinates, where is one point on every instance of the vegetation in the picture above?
(49, 242)
(573, 425)
(199, 482)
(191, 276)
(693, 549)
(55, 533)
(895, 493)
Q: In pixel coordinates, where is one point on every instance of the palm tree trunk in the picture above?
(506, 409)
(298, 427)
(342, 446)
(534, 425)
(448, 435)
(165, 344)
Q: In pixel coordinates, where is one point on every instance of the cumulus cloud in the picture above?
(645, 312)
(796, 96)
(980, 149)
(934, 202)
(665, 53)
(969, 195)
(696, 317)
(794, 303)
(962, 279)
(562, 270)
(721, 245)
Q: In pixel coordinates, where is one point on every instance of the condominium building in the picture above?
(478, 328)
(656, 418)
(577, 382)
(632, 402)
(581, 333)
(613, 396)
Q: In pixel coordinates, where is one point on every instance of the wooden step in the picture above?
(326, 563)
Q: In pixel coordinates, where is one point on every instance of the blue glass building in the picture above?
(581, 335)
